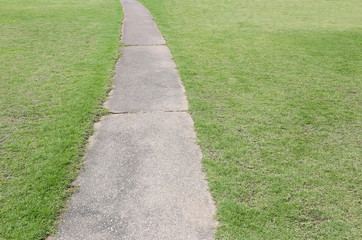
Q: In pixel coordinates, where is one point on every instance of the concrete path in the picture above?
(146, 80)
(142, 175)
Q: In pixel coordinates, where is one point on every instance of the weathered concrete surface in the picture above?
(142, 179)
(146, 80)
(138, 26)
(142, 175)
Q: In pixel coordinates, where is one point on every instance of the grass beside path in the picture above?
(56, 66)
(275, 92)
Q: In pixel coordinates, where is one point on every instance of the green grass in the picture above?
(56, 66)
(275, 91)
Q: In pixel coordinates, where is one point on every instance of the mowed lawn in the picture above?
(275, 92)
(56, 65)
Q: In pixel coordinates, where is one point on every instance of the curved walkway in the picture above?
(142, 175)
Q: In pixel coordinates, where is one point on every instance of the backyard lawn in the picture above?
(275, 92)
(56, 66)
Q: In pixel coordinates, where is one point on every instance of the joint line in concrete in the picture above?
(144, 45)
(168, 111)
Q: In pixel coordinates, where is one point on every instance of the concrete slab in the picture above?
(138, 26)
(146, 80)
(142, 179)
